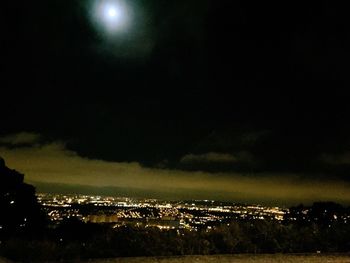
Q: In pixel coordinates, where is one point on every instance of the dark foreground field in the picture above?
(237, 259)
(228, 259)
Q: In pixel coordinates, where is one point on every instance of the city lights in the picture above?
(165, 215)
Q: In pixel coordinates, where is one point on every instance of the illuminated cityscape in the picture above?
(119, 211)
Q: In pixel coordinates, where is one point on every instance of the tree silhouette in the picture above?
(20, 210)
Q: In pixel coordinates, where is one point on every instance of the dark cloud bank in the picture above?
(52, 167)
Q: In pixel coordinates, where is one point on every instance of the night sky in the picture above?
(229, 100)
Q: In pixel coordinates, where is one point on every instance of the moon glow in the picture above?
(111, 16)
(112, 12)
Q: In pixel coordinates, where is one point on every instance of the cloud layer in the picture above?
(210, 157)
(54, 163)
(21, 138)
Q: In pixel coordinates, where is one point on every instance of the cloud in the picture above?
(336, 159)
(233, 139)
(53, 163)
(21, 138)
(218, 162)
(252, 138)
(211, 157)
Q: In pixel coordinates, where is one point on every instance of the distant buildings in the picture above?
(119, 211)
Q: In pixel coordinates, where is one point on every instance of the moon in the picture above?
(112, 12)
(111, 17)
(121, 28)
